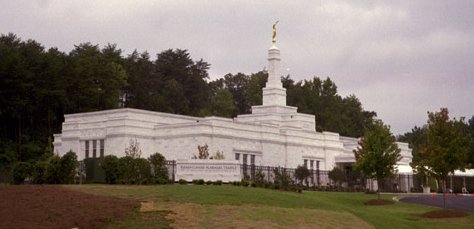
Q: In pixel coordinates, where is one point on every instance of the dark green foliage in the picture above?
(68, 165)
(209, 182)
(110, 165)
(337, 175)
(21, 171)
(40, 169)
(181, 181)
(333, 113)
(377, 153)
(198, 181)
(301, 173)
(127, 168)
(282, 178)
(143, 170)
(416, 140)
(53, 171)
(259, 180)
(447, 146)
(222, 104)
(38, 86)
(217, 182)
(158, 166)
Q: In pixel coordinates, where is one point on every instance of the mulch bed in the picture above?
(51, 206)
(444, 213)
(379, 202)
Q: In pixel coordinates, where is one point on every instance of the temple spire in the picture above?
(274, 93)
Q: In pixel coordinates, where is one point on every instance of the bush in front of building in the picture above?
(55, 170)
(282, 178)
(301, 173)
(158, 166)
(198, 181)
(21, 171)
(39, 172)
(182, 181)
(337, 175)
(110, 165)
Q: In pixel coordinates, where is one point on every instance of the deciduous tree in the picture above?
(377, 153)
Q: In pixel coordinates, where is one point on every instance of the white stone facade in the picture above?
(273, 135)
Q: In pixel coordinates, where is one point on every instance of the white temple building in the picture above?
(274, 134)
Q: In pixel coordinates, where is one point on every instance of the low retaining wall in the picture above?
(208, 170)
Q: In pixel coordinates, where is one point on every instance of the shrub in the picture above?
(282, 178)
(53, 170)
(259, 178)
(208, 182)
(161, 181)
(21, 171)
(110, 165)
(218, 182)
(127, 171)
(337, 175)
(143, 170)
(198, 181)
(244, 183)
(181, 181)
(301, 173)
(39, 172)
(158, 166)
(67, 167)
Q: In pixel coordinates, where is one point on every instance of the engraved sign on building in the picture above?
(208, 170)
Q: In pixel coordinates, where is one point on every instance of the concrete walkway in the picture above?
(459, 202)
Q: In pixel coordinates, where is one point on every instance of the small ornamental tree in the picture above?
(203, 152)
(337, 175)
(377, 153)
(218, 156)
(301, 173)
(447, 147)
(133, 150)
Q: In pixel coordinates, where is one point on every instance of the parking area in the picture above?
(453, 201)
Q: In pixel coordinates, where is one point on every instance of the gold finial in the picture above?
(274, 32)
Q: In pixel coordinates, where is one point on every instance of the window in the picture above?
(87, 149)
(317, 165)
(311, 164)
(305, 163)
(252, 159)
(244, 159)
(102, 148)
(237, 156)
(94, 148)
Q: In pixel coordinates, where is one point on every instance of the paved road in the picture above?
(464, 203)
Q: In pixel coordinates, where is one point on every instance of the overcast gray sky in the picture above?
(400, 58)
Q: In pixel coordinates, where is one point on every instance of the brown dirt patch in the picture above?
(379, 202)
(444, 213)
(51, 206)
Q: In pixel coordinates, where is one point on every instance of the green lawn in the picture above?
(185, 206)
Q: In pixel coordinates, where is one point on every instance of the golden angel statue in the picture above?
(274, 32)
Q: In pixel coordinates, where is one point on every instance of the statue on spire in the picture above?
(274, 32)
